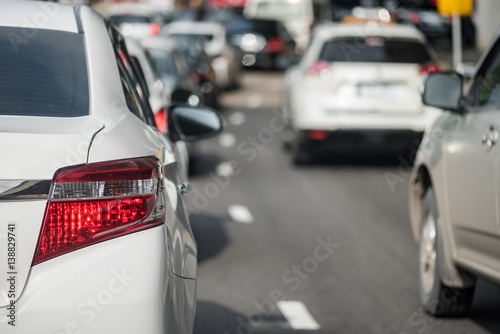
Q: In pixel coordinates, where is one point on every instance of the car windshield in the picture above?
(43, 76)
(284, 10)
(263, 27)
(374, 49)
(164, 62)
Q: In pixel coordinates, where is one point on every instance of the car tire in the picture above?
(437, 298)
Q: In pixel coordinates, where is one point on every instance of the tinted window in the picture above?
(45, 75)
(374, 49)
(204, 37)
(486, 88)
(120, 19)
(164, 62)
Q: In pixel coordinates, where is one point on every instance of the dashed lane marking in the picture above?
(240, 214)
(297, 315)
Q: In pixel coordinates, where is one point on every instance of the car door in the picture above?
(473, 166)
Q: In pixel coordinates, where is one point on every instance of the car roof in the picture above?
(328, 31)
(38, 15)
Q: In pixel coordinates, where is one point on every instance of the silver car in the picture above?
(454, 189)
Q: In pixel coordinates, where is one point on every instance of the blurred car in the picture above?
(225, 58)
(454, 188)
(264, 43)
(429, 21)
(134, 20)
(297, 15)
(357, 90)
(90, 190)
(171, 65)
(200, 68)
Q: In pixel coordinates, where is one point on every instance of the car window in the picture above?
(374, 49)
(121, 19)
(46, 76)
(486, 87)
(163, 61)
(137, 100)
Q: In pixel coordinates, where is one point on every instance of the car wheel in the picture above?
(437, 298)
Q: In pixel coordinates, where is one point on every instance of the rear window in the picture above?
(374, 49)
(121, 19)
(163, 62)
(45, 75)
(204, 37)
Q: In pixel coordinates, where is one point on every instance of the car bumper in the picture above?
(355, 141)
(124, 285)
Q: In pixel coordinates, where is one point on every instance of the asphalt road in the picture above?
(325, 248)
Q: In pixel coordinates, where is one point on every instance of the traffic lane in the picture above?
(367, 284)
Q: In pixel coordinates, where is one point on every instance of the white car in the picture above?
(225, 58)
(357, 90)
(94, 235)
(297, 15)
(454, 188)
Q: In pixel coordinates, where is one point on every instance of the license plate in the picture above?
(377, 90)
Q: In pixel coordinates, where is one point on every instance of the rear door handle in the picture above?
(491, 138)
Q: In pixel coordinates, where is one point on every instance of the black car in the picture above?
(264, 43)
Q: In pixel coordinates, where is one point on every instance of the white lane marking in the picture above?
(227, 140)
(237, 118)
(297, 315)
(254, 101)
(225, 169)
(240, 214)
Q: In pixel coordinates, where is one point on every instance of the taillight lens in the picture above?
(161, 118)
(320, 68)
(154, 29)
(414, 17)
(96, 202)
(429, 68)
(275, 44)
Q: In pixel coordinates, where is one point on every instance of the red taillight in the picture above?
(318, 134)
(429, 68)
(414, 18)
(161, 119)
(320, 68)
(154, 29)
(275, 44)
(96, 202)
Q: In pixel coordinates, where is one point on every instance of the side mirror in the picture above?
(443, 90)
(190, 124)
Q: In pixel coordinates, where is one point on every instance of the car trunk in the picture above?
(32, 149)
(370, 88)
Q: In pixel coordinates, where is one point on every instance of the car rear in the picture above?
(83, 235)
(361, 92)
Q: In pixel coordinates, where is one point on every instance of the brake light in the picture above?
(429, 68)
(161, 119)
(96, 202)
(275, 44)
(318, 134)
(320, 68)
(414, 18)
(154, 29)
